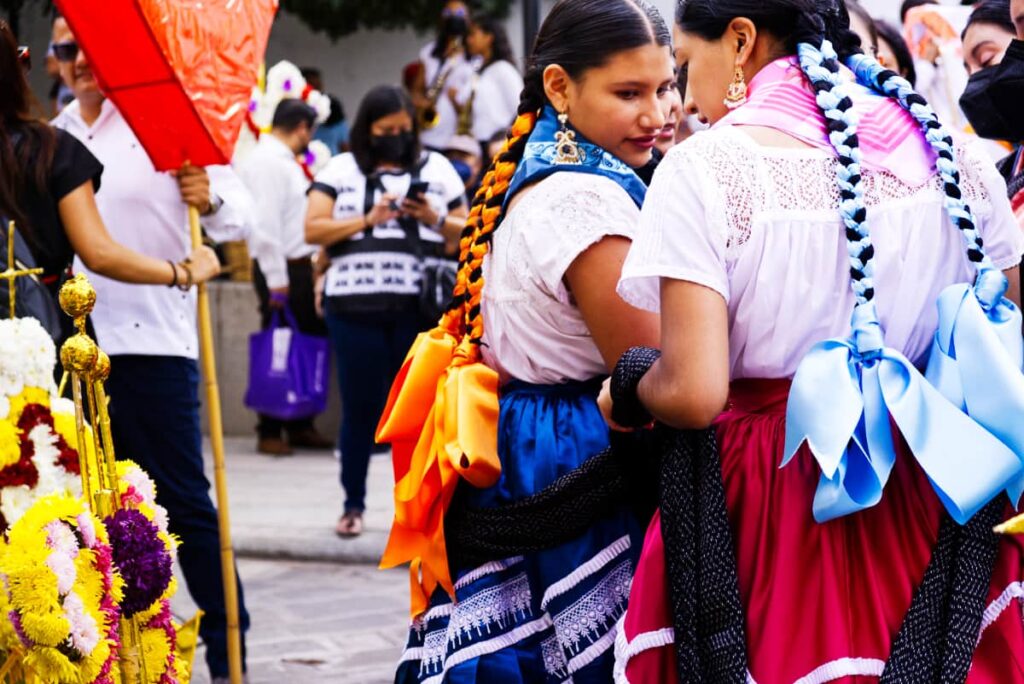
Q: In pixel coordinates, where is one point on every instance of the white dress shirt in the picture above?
(278, 187)
(143, 210)
(495, 92)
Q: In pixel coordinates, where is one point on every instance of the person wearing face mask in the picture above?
(378, 237)
(995, 89)
(445, 70)
(464, 154)
(284, 269)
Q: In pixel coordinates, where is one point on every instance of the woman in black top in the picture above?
(48, 181)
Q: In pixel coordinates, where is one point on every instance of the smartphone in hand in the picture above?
(416, 190)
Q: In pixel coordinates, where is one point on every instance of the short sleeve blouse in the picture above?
(760, 226)
(73, 165)
(533, 330)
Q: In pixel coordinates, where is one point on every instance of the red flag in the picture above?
(180, 71)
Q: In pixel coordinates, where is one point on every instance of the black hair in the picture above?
(26, 163)
(381, 101)
(577, 35)
(310, 73)
(291, 113)
(995, 12)
(911, 4)
(791, 22)
(904, 61)
(583, 34)
(337, 114)
(501, 50)
(854, 8)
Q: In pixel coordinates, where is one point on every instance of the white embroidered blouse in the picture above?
(760, 226)
(532, 328)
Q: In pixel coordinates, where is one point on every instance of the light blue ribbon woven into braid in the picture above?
(978, 352)
(845, 390)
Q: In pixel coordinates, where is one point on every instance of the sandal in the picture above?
(349, 525)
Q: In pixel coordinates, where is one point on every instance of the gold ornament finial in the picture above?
(77, 298)
(101, 371)
(12, 273)
(79, 354)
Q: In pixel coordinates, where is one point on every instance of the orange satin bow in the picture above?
(442, 421)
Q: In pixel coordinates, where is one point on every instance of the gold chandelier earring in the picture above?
(736, 95)
(567, 150)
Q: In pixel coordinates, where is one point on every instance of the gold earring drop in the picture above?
(567, 150)
(736, 95)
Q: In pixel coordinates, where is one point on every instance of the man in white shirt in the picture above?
(150, 331)
(284, 276)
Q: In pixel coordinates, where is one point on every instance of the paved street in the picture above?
(321, 611)
(319, 622)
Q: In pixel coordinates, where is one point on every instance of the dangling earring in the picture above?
(736, 95)
(567, 150)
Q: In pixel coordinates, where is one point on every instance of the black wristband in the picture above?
(627, 409)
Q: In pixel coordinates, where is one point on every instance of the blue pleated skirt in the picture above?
(544, 617)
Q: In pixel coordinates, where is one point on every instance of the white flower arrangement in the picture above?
(27, 356)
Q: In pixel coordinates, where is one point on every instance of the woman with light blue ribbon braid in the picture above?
(870, 436)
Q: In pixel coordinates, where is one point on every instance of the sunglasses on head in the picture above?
(24, 57)
(65, 52)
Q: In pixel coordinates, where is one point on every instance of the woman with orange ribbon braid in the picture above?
(497, 405)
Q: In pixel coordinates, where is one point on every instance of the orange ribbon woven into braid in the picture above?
(441, 416)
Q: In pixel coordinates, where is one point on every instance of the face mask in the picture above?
(392, 148)
(993, 95)
(455, 26)
(464, 170)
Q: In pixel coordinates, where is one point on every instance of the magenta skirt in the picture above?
(823, 602)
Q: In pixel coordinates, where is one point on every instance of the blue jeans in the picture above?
(369, 349)
(154, 411)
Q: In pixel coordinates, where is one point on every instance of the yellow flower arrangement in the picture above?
(61, 593)
(10, 444)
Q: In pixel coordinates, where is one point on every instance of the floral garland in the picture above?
(159, 633)
(61, 593)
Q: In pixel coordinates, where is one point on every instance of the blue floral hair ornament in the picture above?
(846, 390)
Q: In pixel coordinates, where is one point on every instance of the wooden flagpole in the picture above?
(227, 553)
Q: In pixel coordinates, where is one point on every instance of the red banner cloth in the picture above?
(180, 71)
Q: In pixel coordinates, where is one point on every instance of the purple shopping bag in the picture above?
(287, 371)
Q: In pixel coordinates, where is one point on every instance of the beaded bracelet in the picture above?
(189, 282)
(174, 274)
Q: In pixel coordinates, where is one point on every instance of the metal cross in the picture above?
(12, 273)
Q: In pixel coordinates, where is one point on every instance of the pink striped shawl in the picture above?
(780, 97)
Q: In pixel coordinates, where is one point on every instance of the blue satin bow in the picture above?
(843, 395)
(986, 383)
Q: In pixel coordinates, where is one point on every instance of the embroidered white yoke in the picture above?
(760, 226)
(532, 329)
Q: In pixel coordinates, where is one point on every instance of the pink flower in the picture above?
(85, 634)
